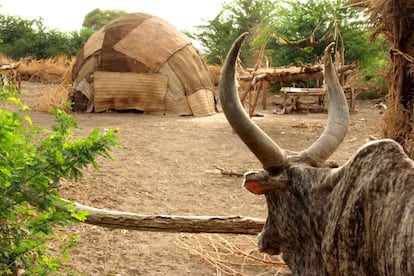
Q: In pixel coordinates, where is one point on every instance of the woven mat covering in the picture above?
(88, 67)
(202, 103)
(123, 91)
(94, 43)
(77, 64)
(175, 88)
(127, 19)
(179, 107)
(85, 88)
(152, 43)
(113, 60)
(191, 70)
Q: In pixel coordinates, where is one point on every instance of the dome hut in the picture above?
(141, 62)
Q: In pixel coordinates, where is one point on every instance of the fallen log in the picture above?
(171, 223)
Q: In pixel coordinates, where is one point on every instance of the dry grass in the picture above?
(56, 70)
(355, 80)
(215, 71)
(5, 60)
(55, 96)
(388, 20)
(51, 70)
(237, 257)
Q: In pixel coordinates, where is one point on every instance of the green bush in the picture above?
(30, 38)
(32, 162)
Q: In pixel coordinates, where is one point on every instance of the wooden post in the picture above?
(256, 89)
(265, 88)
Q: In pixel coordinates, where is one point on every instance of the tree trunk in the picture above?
(170, 223)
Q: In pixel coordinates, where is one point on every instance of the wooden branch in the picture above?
(170, 223)
(229, 172)
(308, 42)
(293, 73)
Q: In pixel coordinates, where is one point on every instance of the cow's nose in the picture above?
(267, 247)
(270, 251)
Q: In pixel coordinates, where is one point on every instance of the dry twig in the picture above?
(229, 172)
(238, 257)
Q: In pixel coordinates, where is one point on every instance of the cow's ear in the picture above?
(260, 182)
(255, 187)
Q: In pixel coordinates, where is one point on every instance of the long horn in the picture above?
(266, 150)
(338, 117)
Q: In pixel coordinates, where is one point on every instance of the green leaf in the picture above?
(80, 215)
(59, 157)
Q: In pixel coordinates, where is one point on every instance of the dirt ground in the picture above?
(167, 165)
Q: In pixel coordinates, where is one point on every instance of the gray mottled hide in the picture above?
(353, 220)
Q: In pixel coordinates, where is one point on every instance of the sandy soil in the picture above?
(167, 165)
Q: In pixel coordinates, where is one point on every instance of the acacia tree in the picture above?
(306, 27)
(217, 35)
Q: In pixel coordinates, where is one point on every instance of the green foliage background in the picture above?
(268, 21)
(30, 38)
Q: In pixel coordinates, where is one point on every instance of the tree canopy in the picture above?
(305, 28)
(295, 31)
(23, 38)
(237, 17)
(98, 18)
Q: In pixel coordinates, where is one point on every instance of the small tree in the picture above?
(217, 35)
(305, 28)
(32, 162)
(98, 18)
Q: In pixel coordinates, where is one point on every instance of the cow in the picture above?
(354, 219)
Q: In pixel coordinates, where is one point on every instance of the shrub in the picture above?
(32, 162)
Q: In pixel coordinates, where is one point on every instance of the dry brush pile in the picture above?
(54, 71)
(394, 20)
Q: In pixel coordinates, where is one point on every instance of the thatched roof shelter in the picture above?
(141, 62)
(395, 21)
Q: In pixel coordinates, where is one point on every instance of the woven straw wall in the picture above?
(114, 90)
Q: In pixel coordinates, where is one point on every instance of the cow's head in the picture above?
(273, 158)
(289, 181)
